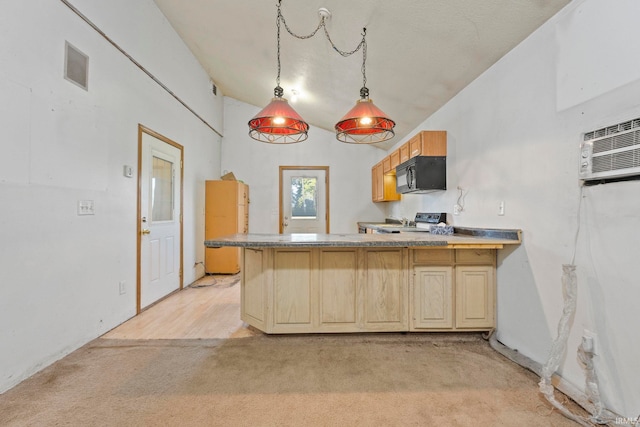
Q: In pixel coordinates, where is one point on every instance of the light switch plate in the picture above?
(127, 171)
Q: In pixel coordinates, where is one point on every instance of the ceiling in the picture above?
(420, 53)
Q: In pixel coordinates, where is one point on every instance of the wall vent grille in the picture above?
(611, 152)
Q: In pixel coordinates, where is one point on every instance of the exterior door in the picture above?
(304, 199)
(160, 218)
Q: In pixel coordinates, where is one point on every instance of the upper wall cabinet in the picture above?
(383, 174)
(383, 184)
(428, 143)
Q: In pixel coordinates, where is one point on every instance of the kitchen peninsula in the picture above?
(332, 283)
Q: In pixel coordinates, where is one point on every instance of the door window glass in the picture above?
(304, 197)
(162, 190)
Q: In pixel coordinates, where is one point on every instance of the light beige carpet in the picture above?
(321, 380)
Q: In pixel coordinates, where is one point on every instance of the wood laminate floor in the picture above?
(209, 308)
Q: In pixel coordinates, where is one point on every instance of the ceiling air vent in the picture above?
(612, 152)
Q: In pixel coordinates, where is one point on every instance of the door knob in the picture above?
(145, 231)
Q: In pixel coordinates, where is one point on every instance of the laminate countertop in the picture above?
(462, 238)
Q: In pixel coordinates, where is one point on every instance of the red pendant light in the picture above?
(365, 123)
(278, 123)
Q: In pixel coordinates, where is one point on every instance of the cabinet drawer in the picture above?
(476, 256)
(433, 256)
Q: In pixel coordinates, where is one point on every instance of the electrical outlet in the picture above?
(501, 208)
(121, 288)
(456, 209)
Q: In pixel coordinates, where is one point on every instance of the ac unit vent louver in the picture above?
(611, 152)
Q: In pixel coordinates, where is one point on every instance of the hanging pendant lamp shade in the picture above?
(278, 123)
(365, 123)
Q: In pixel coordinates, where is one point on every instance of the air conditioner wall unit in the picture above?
(611, 152)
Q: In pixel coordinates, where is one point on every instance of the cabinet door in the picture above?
(432, 298)
(374, 185)
(415, 146)
(386, 165)
(254, 287)
(292, 283)
(222, 218)
(389, 188)
(433, 143)
(384, 290)
(380, 182)
(337, 286)
(475, 297)
(377, 182)
(428, 143)
(395, 159)
(404, 152)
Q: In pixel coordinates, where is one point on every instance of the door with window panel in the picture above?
(160, 220)
(304, 200)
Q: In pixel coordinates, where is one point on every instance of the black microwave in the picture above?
(422, 174)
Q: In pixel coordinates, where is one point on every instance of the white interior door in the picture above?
(160, 216)
(304, 198)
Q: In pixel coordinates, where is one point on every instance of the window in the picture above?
(162, 190)
(304, 197)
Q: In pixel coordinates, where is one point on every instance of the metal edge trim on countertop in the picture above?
(492, 233)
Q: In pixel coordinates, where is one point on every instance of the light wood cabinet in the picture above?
(428, 143)
(226, 212)
(254, 286)
(368, 289)
(338, 289)
(453, 289)
(383, 186)
(379, 183)
(292, 290)
(325, 290)
(374, 184)
(394, 160)
(433, 298)
(383, 175)
(386, 165)
(404, 152)
(475, 297)
(384, 290)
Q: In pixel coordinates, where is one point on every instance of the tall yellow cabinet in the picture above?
(226, 212)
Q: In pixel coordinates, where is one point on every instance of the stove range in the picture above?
(424, 220)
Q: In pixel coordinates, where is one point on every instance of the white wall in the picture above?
(513, 136)
(257, 164)
(60, 144)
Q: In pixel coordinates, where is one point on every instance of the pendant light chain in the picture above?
(364, 92)
(322, 24)
(278, 92)
(279, 123)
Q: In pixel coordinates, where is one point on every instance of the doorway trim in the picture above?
(143, 129)
(326, 202)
